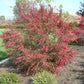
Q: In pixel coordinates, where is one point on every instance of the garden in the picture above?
(41, 46)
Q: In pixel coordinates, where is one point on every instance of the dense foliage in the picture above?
(43, 43)
(44, 78)
(21, 7)
(27, 4)
(9, 78)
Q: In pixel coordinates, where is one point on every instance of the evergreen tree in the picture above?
(81, 11)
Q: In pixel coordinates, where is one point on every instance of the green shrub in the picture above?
(1, 26)
(44, 78)
(75, 43)
(66, 16)
(20, 26)
(9, 78)
(4, 25)
(14, 26)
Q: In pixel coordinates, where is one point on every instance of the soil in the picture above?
(73, 73)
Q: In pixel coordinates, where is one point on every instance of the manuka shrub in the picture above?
(43, 43)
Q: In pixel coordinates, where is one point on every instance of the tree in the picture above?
(81, 11)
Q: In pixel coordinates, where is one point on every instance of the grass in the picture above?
(2, 50)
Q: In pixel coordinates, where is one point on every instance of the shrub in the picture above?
(75, 43)
(44, 78)
(66, 16)
(13, 25)
(81, 25)
(9, 78)
(18, 25)
(43, 43)
(4, 25)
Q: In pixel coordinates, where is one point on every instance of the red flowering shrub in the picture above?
(43, 43)
(80, 32)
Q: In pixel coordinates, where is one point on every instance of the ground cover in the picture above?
(2, 50)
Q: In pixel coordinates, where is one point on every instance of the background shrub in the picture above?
(16, 26)
(4, 25)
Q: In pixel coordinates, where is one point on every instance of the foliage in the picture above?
(79, 32)
(18, 25)
(43, 43)
(81, 25)
(66, 16)
(9, 78)
(60, 6)
(44, 78)
(15, 9)
(4, 25)
(27, 4)
(75, 43)
(48, 1)
(2, 50)
(81, 11)
(44, 1)
(23, 6)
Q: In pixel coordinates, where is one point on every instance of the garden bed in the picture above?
(73, 73)
(2, 50)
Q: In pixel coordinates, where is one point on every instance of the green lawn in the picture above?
(2, 51)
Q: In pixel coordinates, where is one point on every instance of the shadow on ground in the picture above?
(80, 71)
(9, 66)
